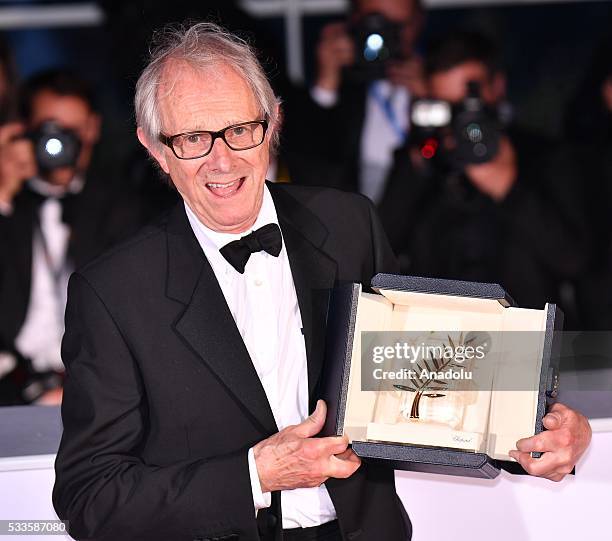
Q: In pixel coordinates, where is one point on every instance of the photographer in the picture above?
(480, 199)
(343, 132)
(58, 209)
(589, 131)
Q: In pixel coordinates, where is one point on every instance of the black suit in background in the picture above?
(594, 286)
(322, 145)
(162, 401)
(102, 214)
(442, 226)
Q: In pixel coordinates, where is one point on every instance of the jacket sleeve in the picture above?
(407, 191)
(544, 210)
(384, 259)
(103, 486)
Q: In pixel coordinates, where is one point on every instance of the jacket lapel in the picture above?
(314, 274)
(207, 325)
(17, 234)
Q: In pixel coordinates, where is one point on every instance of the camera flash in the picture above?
(53, 146)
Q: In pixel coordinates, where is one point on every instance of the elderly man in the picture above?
(194, 351)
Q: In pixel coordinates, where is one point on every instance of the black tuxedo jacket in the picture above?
(322, 145)
(162, 402)
(99, 216)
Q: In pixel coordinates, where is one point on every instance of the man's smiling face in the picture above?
(225, 188)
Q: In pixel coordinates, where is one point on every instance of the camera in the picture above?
(461, 134)
(377, 40)
(54, 146)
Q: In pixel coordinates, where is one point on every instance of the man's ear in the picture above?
(276, 125)
(498, 84)
(92, 131)
(153, 149)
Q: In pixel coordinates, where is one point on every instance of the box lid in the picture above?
(439, 286)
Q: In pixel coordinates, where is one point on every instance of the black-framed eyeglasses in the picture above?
(197, 144)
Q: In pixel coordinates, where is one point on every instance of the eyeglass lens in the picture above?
(239, 137)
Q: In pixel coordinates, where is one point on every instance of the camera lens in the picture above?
(55, 146)
(474, 133)
(480, 150)
(377, 40)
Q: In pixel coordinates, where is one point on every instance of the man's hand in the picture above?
(16, 161)
(409, 74)
(567, 436)
(292, 458)
(495, 178)
(50, 398)
(335, 50)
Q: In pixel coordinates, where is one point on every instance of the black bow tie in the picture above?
(267, 238)
(69, 202)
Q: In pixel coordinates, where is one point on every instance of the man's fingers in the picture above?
(532, 465)
(559, 406)
(335, 40)
(342, 468)
(550, 440)
(338, 51)
(17, 162)
(550, 465)
(293, 458)
(9, 131)
(333, 30)
(552, 420)
(567, 437)
(538, 443)
(545, 466)
(313, 424)
(21, 152)
(347, 454)
(334, 445)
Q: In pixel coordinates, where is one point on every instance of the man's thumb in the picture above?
(313, 424)
(552, 420)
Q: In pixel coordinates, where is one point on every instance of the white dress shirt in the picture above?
(384, 130)
(40, 336)
(264, 305)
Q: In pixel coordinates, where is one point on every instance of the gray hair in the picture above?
(202, 45)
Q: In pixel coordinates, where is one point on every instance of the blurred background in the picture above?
(548, 47)
(513, 185)
(481, 129)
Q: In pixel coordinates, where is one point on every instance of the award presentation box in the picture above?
(454, 427)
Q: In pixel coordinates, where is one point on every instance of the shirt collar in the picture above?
(209, 238)
(46, 189)
(383, 87)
